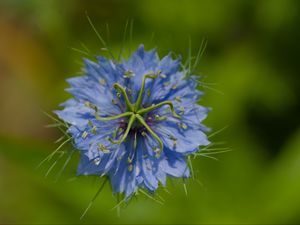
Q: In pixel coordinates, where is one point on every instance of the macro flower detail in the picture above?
(135, 121)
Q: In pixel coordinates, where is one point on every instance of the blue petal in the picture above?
(123, 180)
(75, 113)
(165, 85)
(85, 89)
(149, 58)
(106, 70)
(180, 140)
(169, 66)
(150, 145)
(175, 165)
(146, 165)
(99, 165)
(192, 116)
(87, 166)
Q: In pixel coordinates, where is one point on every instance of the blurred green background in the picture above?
(252, 57)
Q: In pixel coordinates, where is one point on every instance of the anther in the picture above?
(94, 130)
(130, 167)
(102, 82)
(129, 160)
(182, 125)
(178, 98)
(97, 161)
(181, 109)
(84, 135)
(103, 148)
(90, 123)
(128, 74)
(166, 84)
(91, 105)
(160, 118)
(163, 75)
(157, 152)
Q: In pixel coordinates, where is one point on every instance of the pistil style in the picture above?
(135, 112)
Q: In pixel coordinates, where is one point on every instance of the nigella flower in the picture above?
(135, 121)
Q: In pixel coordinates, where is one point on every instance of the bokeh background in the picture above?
(251, 70)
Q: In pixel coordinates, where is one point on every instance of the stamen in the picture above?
(163, 75)
(166, 84)
(84, 135)
(182, 110)
(150, 108)
(182, 125)
(130, 123)
(91, 105)
(157, 152)
(97, 161)
(134, 142)
(102, 81)
(160, 118)
(103, 148)
(130, 167)
(129, 160)
(90, 123)
(94, 130)
(178, 98)
(129, 74)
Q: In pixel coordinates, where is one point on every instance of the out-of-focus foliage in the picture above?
(252, 58)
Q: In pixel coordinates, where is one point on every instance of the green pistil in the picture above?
(130, 123)
(150, 108)
(142, 121)
(135, 112)
(118, 87)
(113, 117)
(140, 97)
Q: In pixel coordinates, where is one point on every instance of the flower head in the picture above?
(135, 121)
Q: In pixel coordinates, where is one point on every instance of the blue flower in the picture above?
(135, 121)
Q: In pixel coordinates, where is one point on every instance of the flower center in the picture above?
(135, 111)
